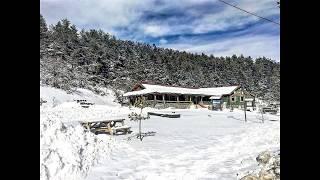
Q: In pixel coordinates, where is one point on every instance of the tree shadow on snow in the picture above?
(248, 120)
(143, 135)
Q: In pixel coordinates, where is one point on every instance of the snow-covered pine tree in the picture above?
(94, 58)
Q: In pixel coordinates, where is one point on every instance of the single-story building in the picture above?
(160, 96)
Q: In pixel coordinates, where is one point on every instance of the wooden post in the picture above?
(140, 129)
(245, 111)
(109, 129)
(135, 100)
(262, 114)
(87, 126)
(196, 101)
(164, 101)
(201, 99)
(177, 98)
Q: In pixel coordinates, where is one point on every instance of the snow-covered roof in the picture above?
(149, 89)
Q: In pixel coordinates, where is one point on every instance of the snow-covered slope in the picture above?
(67, 151)
(55, 96)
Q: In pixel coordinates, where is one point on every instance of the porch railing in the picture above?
(176, 104)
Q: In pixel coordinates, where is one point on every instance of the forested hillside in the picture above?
(93, 58)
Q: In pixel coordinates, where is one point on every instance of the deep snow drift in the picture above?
(66, 150)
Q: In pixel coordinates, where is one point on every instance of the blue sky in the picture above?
(199, 26)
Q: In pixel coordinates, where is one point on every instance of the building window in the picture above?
(150, 97)
(173, 98)
(182, 98)
(233, 99)
(159, 97)
(241, 99)
(206, 98)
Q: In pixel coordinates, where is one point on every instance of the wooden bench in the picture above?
(122, 129)
(270, 110)
(107, 126)
(86, 103)
(163, 114)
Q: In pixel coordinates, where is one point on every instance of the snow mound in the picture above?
(68, 152)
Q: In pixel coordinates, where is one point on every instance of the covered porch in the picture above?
(181, 101)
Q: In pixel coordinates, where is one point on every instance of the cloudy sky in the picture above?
(201, 26)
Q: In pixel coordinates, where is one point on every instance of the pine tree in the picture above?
(92, 58)
(43, 28)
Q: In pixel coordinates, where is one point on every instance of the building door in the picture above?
(194, 99)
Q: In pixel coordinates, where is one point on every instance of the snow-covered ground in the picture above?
(202, 144)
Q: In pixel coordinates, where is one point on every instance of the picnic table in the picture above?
(112, 127)
(84, 103)
(80, 100)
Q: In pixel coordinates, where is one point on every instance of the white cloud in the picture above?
(110, 15)
(156, 30)
(254, 46)
(104, 14)
(163, 41)
(232, 17)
